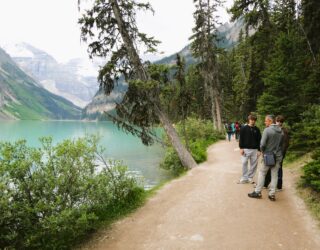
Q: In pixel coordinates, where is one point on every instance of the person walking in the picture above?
(285, 144)
(237, 127)
(271, 142)
(249, 143)
(228, 128)
(233, 126)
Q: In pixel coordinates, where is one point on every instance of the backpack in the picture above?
(237, 127)
(229, 128)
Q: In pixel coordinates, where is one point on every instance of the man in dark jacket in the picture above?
(249, 143)
(271, 142)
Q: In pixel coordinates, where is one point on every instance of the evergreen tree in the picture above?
(110, 26)
(184, 96)
(310, 26)
(242, 68)
(205, 50)
(198, 105)
(284, 79)
(256, 15)
(311, 23)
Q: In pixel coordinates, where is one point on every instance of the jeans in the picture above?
(252, 156)
(280, 175)
(274, 177)
(229, 136)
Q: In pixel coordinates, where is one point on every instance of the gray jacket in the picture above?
(272, 139)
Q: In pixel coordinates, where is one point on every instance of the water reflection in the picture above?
(140, 159)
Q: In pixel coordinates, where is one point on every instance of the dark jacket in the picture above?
(249, 137)
(286, 138)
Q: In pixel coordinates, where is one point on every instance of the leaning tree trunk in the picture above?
(184, 155)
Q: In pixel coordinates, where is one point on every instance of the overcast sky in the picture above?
(51, 25)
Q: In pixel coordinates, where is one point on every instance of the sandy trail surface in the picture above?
(206, 209)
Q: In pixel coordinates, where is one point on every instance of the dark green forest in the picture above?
(274, 69)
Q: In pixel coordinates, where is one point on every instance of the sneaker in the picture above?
(243, 182)
(272, 197)
(278, 189)
(254, 194)
(251, 181)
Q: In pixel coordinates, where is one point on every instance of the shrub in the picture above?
(197, 135)
(52, 195)
(311, 173)
(306, 138)
(306, 134)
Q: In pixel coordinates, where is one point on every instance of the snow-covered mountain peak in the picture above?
(18, 50)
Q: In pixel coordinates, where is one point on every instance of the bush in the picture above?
(311, 173)
(306, 134)
(52, 195)
(197, 135)
(306, 138)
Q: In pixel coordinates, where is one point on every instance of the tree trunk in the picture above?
(217, 100)
(218, 112)
(184, 155)
(213, 109)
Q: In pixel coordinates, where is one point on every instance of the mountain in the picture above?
(228, 37)
(21, 97)
(102, 103)
(75, 80)
(227, 34)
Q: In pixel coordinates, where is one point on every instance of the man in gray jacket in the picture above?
(271, 142)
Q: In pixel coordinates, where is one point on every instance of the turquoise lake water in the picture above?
(141, 160)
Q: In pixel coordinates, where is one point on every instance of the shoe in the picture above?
(278, 189)
(251, 181)
(243, 182)
(272, 197)
(254, 194)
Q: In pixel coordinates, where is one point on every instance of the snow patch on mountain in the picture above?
(75, 80)
(17, 50)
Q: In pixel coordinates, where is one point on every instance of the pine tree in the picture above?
(284, 79)
(183, 96)
(256, 15)
(311, 23)
(242, 68)
(110, 26)
(205, 50)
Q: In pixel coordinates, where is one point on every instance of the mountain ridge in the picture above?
(228, 34)
(21, 97)
(75, 80)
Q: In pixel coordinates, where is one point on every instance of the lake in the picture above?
(141, 160)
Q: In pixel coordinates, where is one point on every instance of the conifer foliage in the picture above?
(204, 40)
(111, 28)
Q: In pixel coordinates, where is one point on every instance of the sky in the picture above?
(51, 25)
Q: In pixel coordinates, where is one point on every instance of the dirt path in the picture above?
(207, 210)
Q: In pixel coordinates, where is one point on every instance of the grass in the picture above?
(310, 197)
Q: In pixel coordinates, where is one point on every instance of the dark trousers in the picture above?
(280, 176)
(229, 136)
(237, 135)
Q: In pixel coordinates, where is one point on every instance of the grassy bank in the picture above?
(307, 193)
(197, 135)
